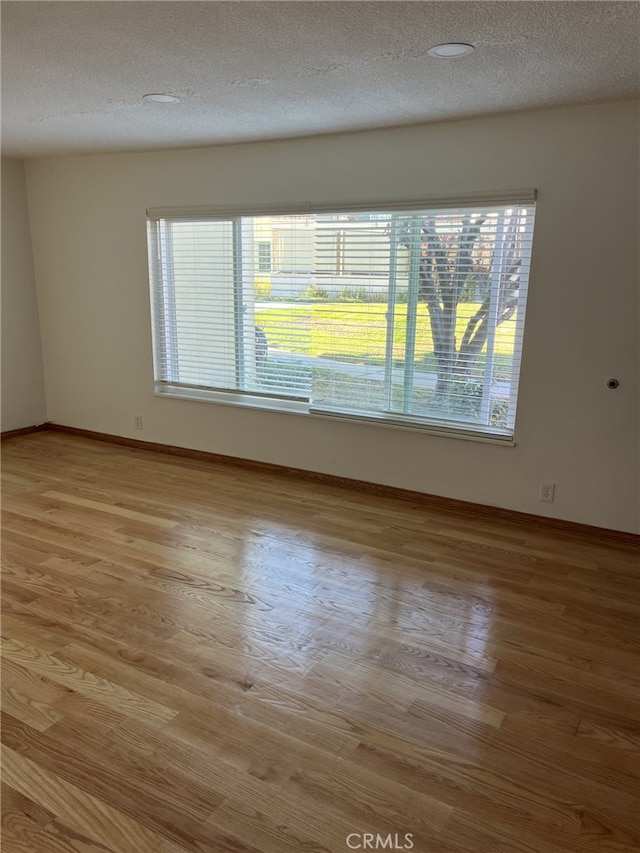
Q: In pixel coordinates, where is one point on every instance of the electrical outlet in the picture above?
(547, 492)
(138, 421)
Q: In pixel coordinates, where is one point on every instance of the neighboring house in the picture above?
(307, 253)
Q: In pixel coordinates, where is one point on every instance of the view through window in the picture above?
(407, 316)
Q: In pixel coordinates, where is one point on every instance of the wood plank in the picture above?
(82, 681)
(141, 788)
(201, 658)
(75, 808)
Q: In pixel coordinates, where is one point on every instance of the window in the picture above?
(410, 317)
(264, 255)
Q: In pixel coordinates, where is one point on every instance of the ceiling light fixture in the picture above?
(161, 99)
(451, 50)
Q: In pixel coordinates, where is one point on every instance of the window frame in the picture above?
(264, 259)
(166, 388)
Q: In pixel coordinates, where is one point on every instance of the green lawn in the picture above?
(357, 330)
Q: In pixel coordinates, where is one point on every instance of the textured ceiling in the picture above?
(73, 73)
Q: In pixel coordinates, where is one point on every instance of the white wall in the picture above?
(23, 399)
(88, 222)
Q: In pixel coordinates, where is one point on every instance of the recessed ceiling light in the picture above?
(451, 50)
(161, 99)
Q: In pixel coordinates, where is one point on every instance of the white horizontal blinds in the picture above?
(409, 315)
(353, 257)
(431, 324)
(278, 301)
(458, 335)
(211, 326)
(194, 314)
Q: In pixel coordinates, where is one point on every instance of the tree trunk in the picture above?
(442, 283)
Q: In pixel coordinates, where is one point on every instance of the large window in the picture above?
(403, 316)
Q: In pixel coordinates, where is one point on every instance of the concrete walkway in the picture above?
(421, 378)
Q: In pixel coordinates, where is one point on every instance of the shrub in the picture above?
(315, 292)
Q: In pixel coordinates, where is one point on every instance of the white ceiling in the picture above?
(73, 73)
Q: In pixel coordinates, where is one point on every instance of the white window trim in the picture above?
(245, 400)
(242, 400)
(525, 196)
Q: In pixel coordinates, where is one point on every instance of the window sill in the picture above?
(298, 407)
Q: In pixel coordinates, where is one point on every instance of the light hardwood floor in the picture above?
(201, 658)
